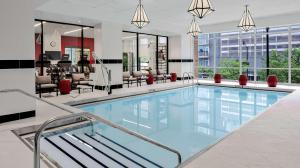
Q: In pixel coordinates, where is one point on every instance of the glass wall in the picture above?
(236, 53)
(145, 52)
(162, 54)
(60, 46)
(206, 54)
(228, 61)
(129, 41)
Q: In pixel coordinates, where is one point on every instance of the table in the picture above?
(84, 88)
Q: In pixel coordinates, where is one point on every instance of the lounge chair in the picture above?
(80, 79)
(44, 83)
(128, 79)
(158, 76)
(139, 77)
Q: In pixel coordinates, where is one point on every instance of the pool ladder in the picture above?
(189, 76)
(83, 115)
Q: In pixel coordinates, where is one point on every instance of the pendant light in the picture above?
(247, 22)
(140, 18)
(194, 28)
(200, 8)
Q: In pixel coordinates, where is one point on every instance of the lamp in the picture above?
(140, 18)
(247, 22)
(194, 28)
(200, 8)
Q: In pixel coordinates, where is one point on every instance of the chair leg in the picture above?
(40, 93)
(56, 92)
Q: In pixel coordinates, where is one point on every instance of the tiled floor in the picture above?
(271, 140)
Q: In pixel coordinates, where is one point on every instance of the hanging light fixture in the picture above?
(247, 22)
(140, 18)
(194, 28)
(200, 8)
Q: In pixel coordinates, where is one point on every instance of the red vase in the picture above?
(217, 78)
(243, 80)
(272, 80)
(173, 77)
(150, 79)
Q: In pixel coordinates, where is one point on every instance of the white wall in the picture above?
(52, 36)
(180, 48)
(108, 46)
(16, 43)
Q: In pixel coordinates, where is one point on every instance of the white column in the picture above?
(180, 54)
(108, 47)
(17, 45)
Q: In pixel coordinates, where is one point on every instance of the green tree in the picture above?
(206, 71)
(230, 68)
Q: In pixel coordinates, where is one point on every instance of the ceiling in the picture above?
(63, 30)
(166, 16)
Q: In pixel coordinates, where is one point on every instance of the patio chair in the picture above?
(80, 79)
(158, 76)
(128, 79)
(44, 83)
(138, 75)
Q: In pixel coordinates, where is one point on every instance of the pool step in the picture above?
(85, 151)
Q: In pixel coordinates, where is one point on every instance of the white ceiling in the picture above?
(166, 16)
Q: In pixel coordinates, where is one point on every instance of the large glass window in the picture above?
(62, 40)
(61, 49)
(147, 52)
(258, 53)
(227, 59)
(162, 54)
(206, 54)
(144, 52)
(129, 52)
(295, 54)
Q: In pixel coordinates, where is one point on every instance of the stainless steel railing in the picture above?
(187, 74)
(87, 116)
(191, 74)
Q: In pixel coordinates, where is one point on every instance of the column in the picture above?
(181, 55)
(16, 59)
(108, 47)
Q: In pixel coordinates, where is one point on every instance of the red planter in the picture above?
(272, 80)
(173, 77)
(217, 78)
(150, 79)
(65, 86)
(243, 80)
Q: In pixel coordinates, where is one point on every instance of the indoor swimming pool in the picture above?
(189, 119)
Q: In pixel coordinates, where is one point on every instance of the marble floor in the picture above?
(270, 141)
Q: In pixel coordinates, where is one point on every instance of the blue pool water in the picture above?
(187, 119)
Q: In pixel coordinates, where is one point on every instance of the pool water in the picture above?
(187, 119)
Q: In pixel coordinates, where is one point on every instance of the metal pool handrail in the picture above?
(88, 116)
(188, 75)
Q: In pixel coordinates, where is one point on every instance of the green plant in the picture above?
(125, 62)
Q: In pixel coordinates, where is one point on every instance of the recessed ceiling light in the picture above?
(76, 30)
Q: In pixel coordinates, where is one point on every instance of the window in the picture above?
(234, 53)
(62, 45)
(129, 52)
(144, 52)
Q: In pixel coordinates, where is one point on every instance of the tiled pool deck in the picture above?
(270, 141)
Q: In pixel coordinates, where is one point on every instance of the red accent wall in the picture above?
(67, 41)
(38, 48)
